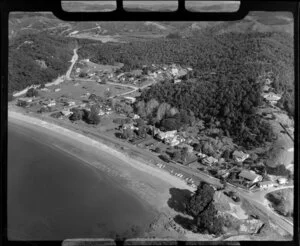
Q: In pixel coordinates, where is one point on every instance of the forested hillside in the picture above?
(223, 87)
(37, 59)
(221, 54)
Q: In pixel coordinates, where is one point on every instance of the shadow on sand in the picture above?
(178, 201)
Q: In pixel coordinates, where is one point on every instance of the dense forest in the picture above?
(224, 86)
(37, 59)
(207, 54)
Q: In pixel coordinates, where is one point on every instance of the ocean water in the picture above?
(55, 196)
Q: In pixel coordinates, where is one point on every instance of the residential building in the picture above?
(66, 113)
(135, 116)
(271, 97)
(209, 160)
(101, 112)
(71, 103)
(169, 134)
(240, 156)
(250, 177)
(130, 99)
(51, 103)
(282, 181)
(266, 184)
(57, 89)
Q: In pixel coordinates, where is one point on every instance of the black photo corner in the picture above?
(149, 122)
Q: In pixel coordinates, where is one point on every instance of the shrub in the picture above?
(32, 93)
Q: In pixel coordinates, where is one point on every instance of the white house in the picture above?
(169, 134)
(51, 103)
(266, 184)
(240, 156)
(71, 103)
(101, 112)
(282, 180)
(174, 71)
(57, 89)
(271, 96)
(66, 113)
(135, 117)
(130, 99)
(250, 177)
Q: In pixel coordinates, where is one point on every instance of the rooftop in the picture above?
(248, 175)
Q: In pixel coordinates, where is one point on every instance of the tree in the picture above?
(32, 93)
(162, 111)
(150, 106)
(77, 114)
(208, 221)
(127, 133)
(202, 208)
(157, 150)
(93, 117)
(141, 109)
(202, 197)
(107, 94)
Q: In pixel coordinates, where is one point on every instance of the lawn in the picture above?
(74, 91)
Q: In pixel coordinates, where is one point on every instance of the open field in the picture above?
(88, 66)
(75, 89)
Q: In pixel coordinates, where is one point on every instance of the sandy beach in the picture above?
(150, 184)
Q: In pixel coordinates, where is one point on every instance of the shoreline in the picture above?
(137, 164)
(148, 183)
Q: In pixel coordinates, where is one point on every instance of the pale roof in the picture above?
(248, 175)
(239, 154)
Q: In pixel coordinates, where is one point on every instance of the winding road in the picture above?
(59, 80)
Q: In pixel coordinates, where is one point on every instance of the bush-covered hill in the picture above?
(28, 52)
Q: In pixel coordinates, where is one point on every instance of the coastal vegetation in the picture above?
(28, 52)
(202, 209)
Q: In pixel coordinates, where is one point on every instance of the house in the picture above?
(135, 117)
(282, 181)
(101, 112)
(265, 88)
(271, 97)
(209, 160)
(24, 101)
(51, 103)
(169, 134)
(201, 155)
(240, 156)
(130, 99)
(250, 177)
(176, 81)
(120, 75)
(174, 71)
(66, 113)
(44, 89)
(71, 103)
(57, 89)
(129, 126)
(266, 184)
(172, 141)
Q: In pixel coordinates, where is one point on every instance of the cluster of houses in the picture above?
(169, 137)
(152, 73)
(268, 93)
